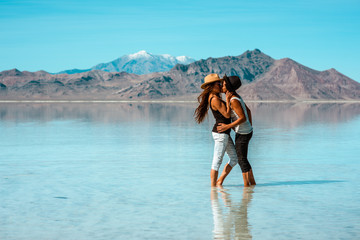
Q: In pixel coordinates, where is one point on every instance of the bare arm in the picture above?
(236, 106)
(219, 105)
(228, 98)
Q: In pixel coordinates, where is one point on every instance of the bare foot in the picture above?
(251, 177)
(246, 179)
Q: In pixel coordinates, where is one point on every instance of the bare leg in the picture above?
(226, 171)
(251, 178)
(246, 179)
(213, 177)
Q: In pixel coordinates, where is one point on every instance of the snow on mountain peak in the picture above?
(162, 57)
(167, 56)
(140, 62)
(140, 54)
(183, 59)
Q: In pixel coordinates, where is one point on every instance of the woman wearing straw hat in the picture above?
(241, 123)
(210, 97)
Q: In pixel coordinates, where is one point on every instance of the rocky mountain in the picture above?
(289, 80)
(184, 80)
(247, 66)
(39, 85)
(264, 78)
(141, 62)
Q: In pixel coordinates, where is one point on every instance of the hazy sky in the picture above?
(58, 35)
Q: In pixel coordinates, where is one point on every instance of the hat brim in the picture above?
(229, 86)
(215, 80)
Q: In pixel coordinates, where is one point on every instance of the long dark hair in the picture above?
(203, 99)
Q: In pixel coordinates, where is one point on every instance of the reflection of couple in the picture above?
(240, 122)
(230, 221)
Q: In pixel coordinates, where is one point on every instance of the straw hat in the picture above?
(213, 77)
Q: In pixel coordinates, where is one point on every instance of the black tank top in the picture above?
(219, 118)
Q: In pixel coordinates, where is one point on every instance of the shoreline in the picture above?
(173, 101)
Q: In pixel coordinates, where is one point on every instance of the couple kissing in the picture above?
(230, 114)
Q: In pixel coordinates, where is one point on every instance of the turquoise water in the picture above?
(141, 171)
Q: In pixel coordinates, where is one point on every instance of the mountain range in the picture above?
(263, 77)
(141, 62)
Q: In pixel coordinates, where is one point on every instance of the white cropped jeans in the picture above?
(223, 142)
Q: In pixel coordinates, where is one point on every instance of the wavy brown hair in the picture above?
(203, 99)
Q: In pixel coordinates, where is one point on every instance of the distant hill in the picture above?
(183, 80)
(141, 62)
(264, 78)
(289, 80)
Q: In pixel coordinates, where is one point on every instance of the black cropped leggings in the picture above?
(241, 146)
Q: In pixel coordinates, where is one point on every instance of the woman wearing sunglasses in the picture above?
(210, 98)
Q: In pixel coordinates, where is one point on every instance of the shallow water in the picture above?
(141, 171)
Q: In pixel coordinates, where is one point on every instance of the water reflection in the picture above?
(97, 112)
(286, 115)
(230, 218)
(290, 115)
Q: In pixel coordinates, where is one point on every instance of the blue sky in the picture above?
(58, 35)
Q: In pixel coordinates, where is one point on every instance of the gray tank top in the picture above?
(245, 127)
